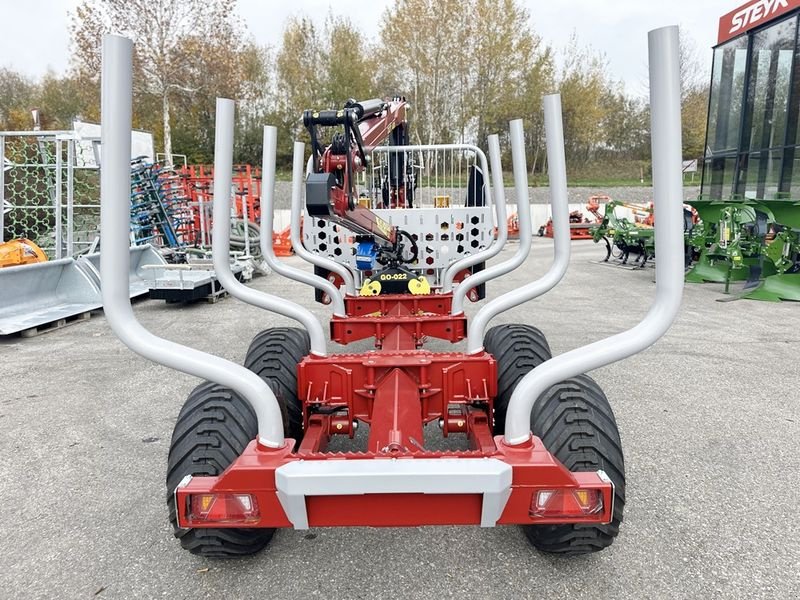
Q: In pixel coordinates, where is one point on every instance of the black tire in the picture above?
(214, 427)
(273, 355)
(576, 424)
(517, 348)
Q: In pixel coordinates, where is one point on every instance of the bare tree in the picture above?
(164, 33)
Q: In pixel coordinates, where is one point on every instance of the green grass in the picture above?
(588, 180)
(539, 180)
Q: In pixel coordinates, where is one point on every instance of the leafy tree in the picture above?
(61, 101)
(318, 69)
(299, 72)
(468, 67)
(694, 99)
(539, 80)
(16, 99)
(502, 52)
(348, 63)
(583, 84)
(625, 124)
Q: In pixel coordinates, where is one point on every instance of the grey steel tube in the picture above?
(115, 183)
(499, 191)
(221, 235)
(665, 125)
(524, 217)
(559, 203)
(267, 220)
(298, 173)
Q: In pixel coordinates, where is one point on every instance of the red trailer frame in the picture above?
(396, 389)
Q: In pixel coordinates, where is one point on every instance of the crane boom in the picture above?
(330, 188)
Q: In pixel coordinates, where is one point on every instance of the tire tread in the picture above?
(213, 428)
(576, 424)
(517, 348)
(274, 355)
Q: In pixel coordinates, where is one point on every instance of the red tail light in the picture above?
(566, 503)
(223, 508)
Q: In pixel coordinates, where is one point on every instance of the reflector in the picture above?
(566, 503)
(223, 508)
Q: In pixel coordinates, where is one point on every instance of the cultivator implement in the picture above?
(504, 396)
(160, 212)
(624, 238)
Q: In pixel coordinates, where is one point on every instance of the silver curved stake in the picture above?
(559, 203)
(665, 124)
(474, 280)
(115, 184)
(267, 220)
(298, 174)
(221, 235)
(525, 228)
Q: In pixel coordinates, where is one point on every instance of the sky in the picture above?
(35, 34)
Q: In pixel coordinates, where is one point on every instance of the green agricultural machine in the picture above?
(750, 201)
(624, 237)
(757, 242)
(728, 241)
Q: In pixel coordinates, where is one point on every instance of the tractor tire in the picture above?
(517, 348)
(213, 429)
(274, 355)
(576, 424)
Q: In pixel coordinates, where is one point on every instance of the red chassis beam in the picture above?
(396, 482)
(351, 329)
(354, 383)
(401, 320)
(284, 489)
(360, 306)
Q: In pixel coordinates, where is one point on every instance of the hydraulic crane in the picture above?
(331, 192)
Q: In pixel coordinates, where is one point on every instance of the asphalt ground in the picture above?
(709, 418)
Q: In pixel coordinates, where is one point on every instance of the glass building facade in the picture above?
(752, 139)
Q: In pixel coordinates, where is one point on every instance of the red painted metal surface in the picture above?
(578, 227)
(533, 469)
(198, 181)
(433, 304)
(373, 130)
(348, 382)
(282, 243)
(396, 410)
(751, 15)
(513, 227)
(351, 329)
(399, 325)
(396, 390)
(472, 294)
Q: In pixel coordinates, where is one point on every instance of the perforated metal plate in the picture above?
(442, 234)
